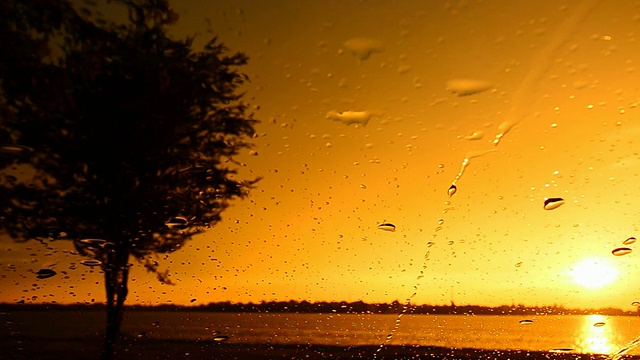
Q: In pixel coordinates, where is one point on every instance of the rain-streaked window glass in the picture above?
(319, 179)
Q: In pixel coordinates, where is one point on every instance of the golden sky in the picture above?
(437, 82)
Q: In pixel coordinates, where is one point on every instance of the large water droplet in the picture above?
(464, 87)
(93, 242)
(452, 190)
(387, 227)
(629, 241)
(553, 203)
(91, 262)
(476, 135)
(362, 48)
(526, 322)
(635, 303)
(15, 149)
(598, 324)
(350, 117)
(45, 273)
(178, 222)
(621, 251)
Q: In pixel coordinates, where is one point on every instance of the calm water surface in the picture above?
(580, 333)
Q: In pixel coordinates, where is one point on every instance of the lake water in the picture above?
(580, 333)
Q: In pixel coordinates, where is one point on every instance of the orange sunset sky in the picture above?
(437, 81)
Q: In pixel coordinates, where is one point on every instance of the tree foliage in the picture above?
(115, 136)
(125, 129)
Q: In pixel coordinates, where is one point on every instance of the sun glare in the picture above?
(593, 273)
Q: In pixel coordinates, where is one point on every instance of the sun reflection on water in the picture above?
(596, 336)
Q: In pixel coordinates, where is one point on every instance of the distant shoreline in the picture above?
(357, 307)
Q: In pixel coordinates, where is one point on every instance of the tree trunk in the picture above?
(116, 275)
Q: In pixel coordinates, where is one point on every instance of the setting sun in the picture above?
(593, 273)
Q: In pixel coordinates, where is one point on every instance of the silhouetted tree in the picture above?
(114, 135)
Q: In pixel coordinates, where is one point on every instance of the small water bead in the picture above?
(635, 303)
(220, 338)
(553, 203)
(621, 251)
(598, 324)
(629, 241)
(45, 273)
(387, 227)
(526, 322)
(452, 190)
(563, 350)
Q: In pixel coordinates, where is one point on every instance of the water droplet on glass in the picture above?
(629, 241)
(387, 227)
(621, 251)
(142, 334)
(526, 322)
(553, 203)
(476, 135)
(635, 303)
(93, 242)
(519, 264)
(45, 273)
(221, 338)
(452, 190)
(177, 222)
(194, 300)
(598, 324)
(91, 262)
(350, 117)
(362, 48)
(561, 349)
(14, 149)
(465, 87)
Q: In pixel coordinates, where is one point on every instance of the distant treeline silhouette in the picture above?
(341, 307)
